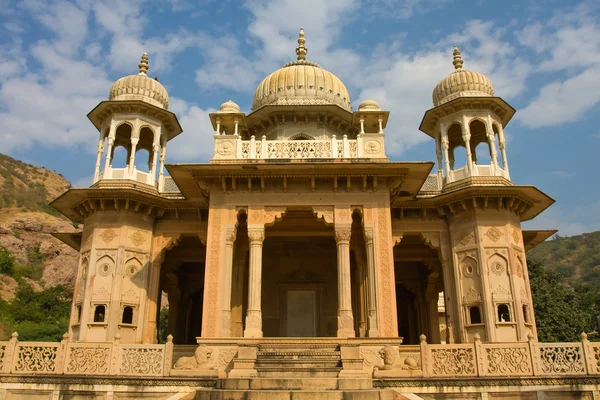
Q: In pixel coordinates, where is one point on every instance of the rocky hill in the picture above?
(26, 224)
(575, 258)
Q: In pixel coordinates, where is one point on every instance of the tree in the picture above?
(7, 262)
(559, 313)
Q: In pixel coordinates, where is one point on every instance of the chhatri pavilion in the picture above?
(301, 261)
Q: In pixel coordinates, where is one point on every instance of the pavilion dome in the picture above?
(229, 107)
(140, 87)
(369, 105)
(301, 82)
(461, 83)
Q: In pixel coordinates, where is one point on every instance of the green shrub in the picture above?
(7, 261)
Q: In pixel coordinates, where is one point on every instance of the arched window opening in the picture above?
(120, 157)
(481, 154)
(503, 313)
(143, 161)
(526, 313)
(457, 153)
(99, 313)
(474, 315)
(127, 315)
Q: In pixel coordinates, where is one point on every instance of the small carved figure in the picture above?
(392, 360)
(200, 359)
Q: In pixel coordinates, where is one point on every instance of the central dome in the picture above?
(301, 82)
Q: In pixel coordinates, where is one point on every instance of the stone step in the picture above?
(279, 382)
(303, 372)
(212, 394)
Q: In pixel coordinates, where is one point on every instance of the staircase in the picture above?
(292, 370)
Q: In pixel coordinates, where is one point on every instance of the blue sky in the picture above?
(59, 58)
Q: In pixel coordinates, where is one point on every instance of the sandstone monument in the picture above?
(301, 262)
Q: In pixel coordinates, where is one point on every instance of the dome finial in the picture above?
(458, 61)
(301, 50)
(143, 65)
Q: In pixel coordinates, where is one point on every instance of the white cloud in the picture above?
(568, 222)
(562, 102)
(46, 103)
(196, 143)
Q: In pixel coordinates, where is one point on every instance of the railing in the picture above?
(520, 359)
(124, 173)
(232, 147)
(477, 170)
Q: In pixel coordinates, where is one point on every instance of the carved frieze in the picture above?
(494, 234)
(108, 235)
(516, 236)
(466, 237)
(137, 238)
(324, 212)
(500, 292)
(273, 214)
(472, 296)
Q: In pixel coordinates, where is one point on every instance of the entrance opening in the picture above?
(299, 277)
(419, 281)
(182, 278)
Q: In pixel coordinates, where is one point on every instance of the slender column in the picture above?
(218, 120)
(438, 153)
(431, 298)
(373, 328)
(362, 125)
(256, 237)
(445, 146)
(99, 157)
(492, 142)
(230, 234)
(111, 141)
(156, 149)
(467, 139)
(134, 142)
(235, 129)
(345, 318)
(161, 173)
(503, 150)
(380, 120)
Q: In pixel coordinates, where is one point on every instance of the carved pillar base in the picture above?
(373, 324)
(345, 324)
(253, 324)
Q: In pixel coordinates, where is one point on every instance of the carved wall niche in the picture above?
(105, 265)
(518, 264)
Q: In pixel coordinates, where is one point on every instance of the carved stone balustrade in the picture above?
(381, 358)
(232, 147)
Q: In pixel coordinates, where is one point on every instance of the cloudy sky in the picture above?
(59, 58)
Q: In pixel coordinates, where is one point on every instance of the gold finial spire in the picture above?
(457, 61)
(301, 50)
(143, 65)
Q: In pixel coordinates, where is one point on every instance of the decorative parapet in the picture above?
(383, 357)
(232, 147)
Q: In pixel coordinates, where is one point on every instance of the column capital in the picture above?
(368, 233)
(256, 235)
(342, 235)
(230, 235)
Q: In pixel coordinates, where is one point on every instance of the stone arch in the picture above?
(105, 265)
(498, 264)
(301, 136)
(478, 128)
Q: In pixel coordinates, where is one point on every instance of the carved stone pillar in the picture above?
(99, 157)
(256, 236)
(134, 143)
(372, 285)
(432, 297)
(230, 234)
(345, 318)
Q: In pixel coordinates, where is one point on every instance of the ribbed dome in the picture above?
(461, 83)
(229, 107)
(369, 105)
(140, 87)
(301, 83)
